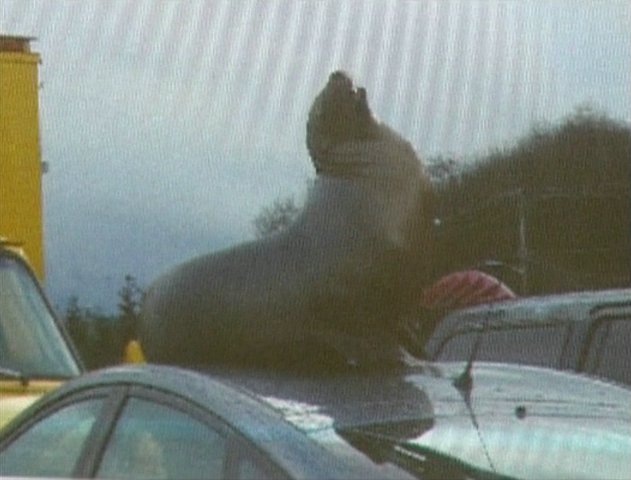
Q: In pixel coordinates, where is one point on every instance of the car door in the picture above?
(158, 435)
(130, 432)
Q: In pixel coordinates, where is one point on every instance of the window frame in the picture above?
(599, 329)
(111, 398)
(237, 446)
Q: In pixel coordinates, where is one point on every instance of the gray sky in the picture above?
(169, 124)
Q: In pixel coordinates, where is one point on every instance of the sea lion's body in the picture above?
(336, 277)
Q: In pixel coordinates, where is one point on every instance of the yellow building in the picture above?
(20, 165)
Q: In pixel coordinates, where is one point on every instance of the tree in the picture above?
(92, 334)
(556, 203)
(130, 300)
(74, 319)
(73, 315)
(275, 219)
(101, 338)
(442, 169)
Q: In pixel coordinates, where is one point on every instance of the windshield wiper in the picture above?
(6, 372)
(438, 465)
(422, 461)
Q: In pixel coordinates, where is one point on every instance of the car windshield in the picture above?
(31, 344)
(530, 344)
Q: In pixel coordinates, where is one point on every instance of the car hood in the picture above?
(535, 448)
(528, 422)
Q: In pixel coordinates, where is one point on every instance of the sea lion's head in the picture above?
(340, 113)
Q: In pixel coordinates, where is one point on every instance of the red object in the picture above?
(465, 289)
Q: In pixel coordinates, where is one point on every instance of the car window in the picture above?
(52, 446)
(151, 440)
(541, 346)
(457, 347)
(30, 341)
(610, 355)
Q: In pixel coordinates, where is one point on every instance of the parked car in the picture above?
(586, 332)
(36, 354)
(425, 421)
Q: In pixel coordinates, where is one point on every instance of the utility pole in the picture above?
(522, 253)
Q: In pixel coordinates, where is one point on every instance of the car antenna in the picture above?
(464, 381)
(464, 385)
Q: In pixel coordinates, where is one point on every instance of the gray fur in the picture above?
(336, 278)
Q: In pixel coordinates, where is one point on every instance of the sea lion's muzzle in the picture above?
(341, 87)
(339, 114)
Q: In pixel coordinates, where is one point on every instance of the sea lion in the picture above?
(336, 280)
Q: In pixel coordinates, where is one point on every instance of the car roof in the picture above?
(566, 307)
(425, 390)
(382, 393)
(348, 398)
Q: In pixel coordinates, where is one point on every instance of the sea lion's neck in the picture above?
(369, 189)
(380, 160)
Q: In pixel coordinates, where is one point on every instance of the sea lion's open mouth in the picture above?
(342, 88)
(340, 79)
(342, 84)
(339, 114)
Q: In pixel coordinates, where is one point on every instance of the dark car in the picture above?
(424, 421)
(586, 332)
